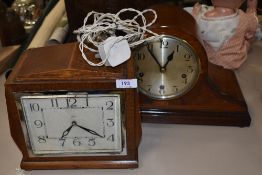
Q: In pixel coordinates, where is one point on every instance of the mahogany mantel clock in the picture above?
(177, 83)
(65, 114)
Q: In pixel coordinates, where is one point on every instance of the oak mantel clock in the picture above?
(65, 114)
(177, 83)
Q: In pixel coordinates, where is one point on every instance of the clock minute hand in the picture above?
(90, 131)
(151, 53)
(169, 58)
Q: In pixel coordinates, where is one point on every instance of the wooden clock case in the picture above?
(58, 69)
(215, 100)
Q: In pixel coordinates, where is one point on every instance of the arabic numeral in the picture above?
(111, 138)
(163, 43)
(41, 139)
(71, 102)
(177, 48)
(62, 140)
(54, 102)
(176, 89)
(190, 69)
(86, 101)
(161, 89)
(76, 141)
(91, 142)
(34, 107)
(110, 122)
(38, 123)
(125, 83)
(109, 105)
(187, 57)
(184, 76)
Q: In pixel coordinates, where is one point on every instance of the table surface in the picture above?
(178, 149)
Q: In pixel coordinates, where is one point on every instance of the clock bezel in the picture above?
(26, 132)
(191, 85)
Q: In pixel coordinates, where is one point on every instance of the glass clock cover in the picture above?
(167, 67)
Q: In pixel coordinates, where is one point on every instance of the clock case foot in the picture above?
(55, 165)
(216, 100)
(198, 118)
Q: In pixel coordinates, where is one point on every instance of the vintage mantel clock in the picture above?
(176, 82)
(65, 114)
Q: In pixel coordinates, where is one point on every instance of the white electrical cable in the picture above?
(107, 24)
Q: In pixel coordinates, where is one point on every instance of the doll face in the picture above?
(232, 4)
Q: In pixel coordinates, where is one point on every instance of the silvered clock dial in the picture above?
(73, 123)
(167, 67)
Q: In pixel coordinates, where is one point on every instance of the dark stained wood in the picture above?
(78, 9)
(62, 68)
(172, 17)
(215, 100)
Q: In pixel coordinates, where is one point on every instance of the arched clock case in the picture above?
(177, 83)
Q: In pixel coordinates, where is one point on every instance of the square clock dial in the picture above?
(75, 123)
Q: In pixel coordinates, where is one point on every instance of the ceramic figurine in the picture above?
(226, 31)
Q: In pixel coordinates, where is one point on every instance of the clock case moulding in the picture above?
(61, 68)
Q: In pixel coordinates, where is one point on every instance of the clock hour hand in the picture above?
(66, 132)
(90, 131)
(152, 54)
(169, 58)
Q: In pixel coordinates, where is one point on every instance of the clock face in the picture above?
(74, 123)
(166, 67)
